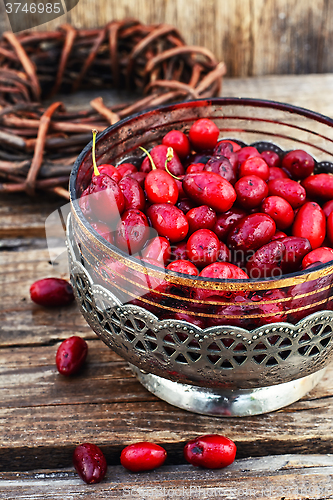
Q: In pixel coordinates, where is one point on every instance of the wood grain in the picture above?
(253, 37)
(282, 477)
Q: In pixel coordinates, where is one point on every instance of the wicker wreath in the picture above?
(38, 144)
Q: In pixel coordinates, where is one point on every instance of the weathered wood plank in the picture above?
(281, 477)
(253, 37)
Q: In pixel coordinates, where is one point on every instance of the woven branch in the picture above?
(38, 145)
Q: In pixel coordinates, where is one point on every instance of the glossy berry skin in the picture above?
(71, 355)
(195, 167)
(280, 210)
(277, 173)
(178, 251)
(278, 235)
(288, 189)
(319, 186)
(226, 221)
(310, 223)
(250, 190)
(202, 217)
(222, 166)
(133, 193)
(254, 166)
(90, 463)
(203, 134)
(251, 232)
(224, 253)
(106, 200)
(211, 451)
(320, 255)
(109, 170)
(185, 204)
(126, 169)
(161, 187)
(266, 261)
(328, 208)
(203, 247)
(227, 142)
(158, 249)
(227, 150)
(209, 188)
(159, 156)
(271, 158)
(184, 267)
(52, 292)
(247, 152)
(143, 456)
(298, 164)
(295, 250)
(218, 271)
(132, 231)
(178, 141)
(169, 221)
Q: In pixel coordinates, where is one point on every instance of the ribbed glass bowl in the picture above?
(215, 334)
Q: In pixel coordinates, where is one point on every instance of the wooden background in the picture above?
(253, 37)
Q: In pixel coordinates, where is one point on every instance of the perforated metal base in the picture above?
(228, 403)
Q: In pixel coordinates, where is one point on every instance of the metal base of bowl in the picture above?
(224, 402)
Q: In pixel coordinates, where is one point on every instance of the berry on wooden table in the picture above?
(52, 292)
(212, 451)
(90, 463)
(142, 456)
(71, 355)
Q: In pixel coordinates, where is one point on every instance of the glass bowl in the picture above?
(219, 347)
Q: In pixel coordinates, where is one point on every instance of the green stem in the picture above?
(153, 166)
(96, 171)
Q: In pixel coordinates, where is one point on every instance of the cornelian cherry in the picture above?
(203, 134)
(142, 456)
(202, 217)
(169, 221)
(90, 463)
(161, 187)
(71, 355)
(254, 165)
(203, 247)
(178, 141)
(184, 267)
(52, 292)
(212, 451)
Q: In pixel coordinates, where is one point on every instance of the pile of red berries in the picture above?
(219, 209)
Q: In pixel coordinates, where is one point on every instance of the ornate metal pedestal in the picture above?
(222, 370)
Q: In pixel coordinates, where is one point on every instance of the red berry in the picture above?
(271, 158)
(328, 208)
(298, 164)
(266, 261)
(247, 152)
(295, 250)
(159, 156)
(195, 167)
(254, 166)
(226, 142)
(132, 231)
(251, 232)
(126, 169)
(71, 355)
(319, 186)
(89, 463)
(277, 173)
(280, 210)
(320, 255)
(109, 170)
(168, 221)
(288, 189)
(142, 456)
(209, 188)
(178, 251)
(133, 193)
(106, 200)
(178, 141)
(203, 247)
(52, 292)
(310, 223)
(202, 217)
(211, 451)
(161, 187)
(226, 221)
(222, 166)
(203, 134)
(250, 190)
(329, 224)
(157, 249)
(184, 267)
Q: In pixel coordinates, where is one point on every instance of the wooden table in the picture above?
(281, 455)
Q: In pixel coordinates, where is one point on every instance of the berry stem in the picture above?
(96, 171)
(153, 166)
